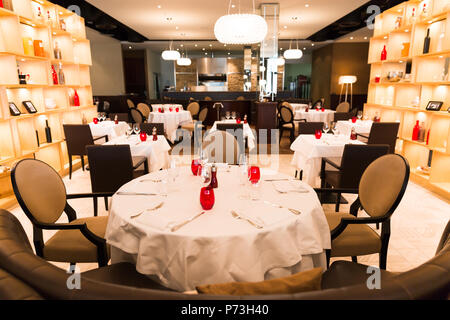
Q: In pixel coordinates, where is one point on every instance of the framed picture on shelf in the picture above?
(434, 105)
(14, 110)
(29, 106)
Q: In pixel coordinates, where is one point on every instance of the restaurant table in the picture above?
(315, 116)
(166, 107)
(361, 127)
(309, 152)
(247, 131)
(171, 121)
(108, 128)
(216, 247)
(157, 152)
(299, 106)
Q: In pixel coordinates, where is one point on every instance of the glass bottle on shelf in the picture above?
(76, 98)
(49, 18)
(383, 53)
(61, 77)
(415, 133)
(441, 38)
(57, 51)
(424, 12)
(54, 75)
(398, 23)
(62, 24)
(426, 42)
(48, 132)
(421, 137)
(83, 119)
(40, 16)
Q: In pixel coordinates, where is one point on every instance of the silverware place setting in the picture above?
(294, 211)
(178, 226)
(124, 193)
(253, 223)
(158, 206)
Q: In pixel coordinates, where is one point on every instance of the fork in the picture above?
(238, 216)
(294, 211)
(146, 210)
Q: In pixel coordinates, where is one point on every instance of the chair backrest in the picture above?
(286, 114)
(110, 167)
(309, 127)
(354, 112)
(342, 116)
(78, 136)
(144, 109)
(240, 98)
(384, 133)
(203, 114)
(343, 107)
(193, 108)
(39, 190)
(207, 98)
(137, 116)
(383, 185)
(221, 147)
(355, 160)
(130, 104)
(120, 116)
(148, 128)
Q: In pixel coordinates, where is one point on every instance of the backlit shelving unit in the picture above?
(18, 133)
(405, 101)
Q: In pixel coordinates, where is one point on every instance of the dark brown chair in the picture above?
(383, 133)
(287, 122)
(355, 160)
(78, 136)
(124, 117)
(137, 116)
(148, 128)
(41, 194)
(235, 129)
(111, 167)
(342, 116)
(380, 191)
(307, 128)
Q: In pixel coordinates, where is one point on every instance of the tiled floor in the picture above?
(416, 225)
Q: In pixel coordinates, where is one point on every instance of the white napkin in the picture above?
(289, 186)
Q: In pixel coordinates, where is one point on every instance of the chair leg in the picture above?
(82, 162)
(281, 134)
(383, 252)
(328, 256)
(95, 206)
(355, 259)
(296, 173)
(146, 170)
(301, 174)
(338, 202)
(292, 135)
(70, 166)
(102, 256)
(106, 203)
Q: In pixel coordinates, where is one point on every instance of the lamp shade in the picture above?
(293, 54)
(170, 55)
(240, 29)
(184, 62)
(347, 79)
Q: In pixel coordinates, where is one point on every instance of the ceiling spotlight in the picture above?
(203, 49)
(195, 45)
(130, 47)
(158, 6)
(177, 28)
(225, 45)
(206, 53)
(312, 44)
(351, 38)
(307, 5)
(182, 45)
(365, 38)
(210, 45)
(229, 53)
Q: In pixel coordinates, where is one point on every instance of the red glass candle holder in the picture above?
(353, 136)
(155, 137)
(307, 110)
(238, 120)
(95, 120)
(318, 134)
(354, 119)
(170, 109)
(159, 110)
(143, 136)
(254, 174)
(116, 121)
(195, 166)
(377, 79)
(177, 109)
(323, 109)
(207, 198)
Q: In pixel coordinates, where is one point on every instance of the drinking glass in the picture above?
(326, 127)
(205, 174)
(129, 131)
(136, 128)
(207, 198)
(195, 166)
(227, 115)
(360, 115)
(334, 129)
(318, 134)
(233, 115)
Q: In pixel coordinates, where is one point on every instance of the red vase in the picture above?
(143, 136)
(254, 174)
(207, 198)
(170, 109)
(155, 137)
(323, 109)
(195, 166)
(307, 110)
(383, 54)
(95, 120)
(76, 99)
(353, 135)
(416, 129)
(177, 109)
(354, 119)
(318, 134)
(54, 76)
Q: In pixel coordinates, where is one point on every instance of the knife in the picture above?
(175, 228)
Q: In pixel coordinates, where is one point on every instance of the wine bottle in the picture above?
(384, 54)
(76, 99)
(48, 132)
(57, 51)
(426, 42)
(54, 75)
(61, 77)
(415, 134)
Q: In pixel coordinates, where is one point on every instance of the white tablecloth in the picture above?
(171, 121)
(361, 126)
(166, 107)
(108, 128)
(315, 116)
(157, 152)
(298, 106)
(216, 247)
(248, 133)
(309, 152)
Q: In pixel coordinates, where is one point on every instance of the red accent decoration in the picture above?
(383, 54)
(415, 134)
(95, 120)
(377, 79)
(1, 3)
(307, 110)
(116, 121)
(177, 109)
(155, 137)
(207, 198)
(170, 109)
(76, 99)
(354, 119)
(428, 136)
(318, 134)
(143, 136)
(323, 109)
(54, 76)
(353, 136)
(254, 174)
(238, 120)
(195, 166)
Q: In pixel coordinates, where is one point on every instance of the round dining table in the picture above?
(251, 234)
(171, 121)
(315, 116)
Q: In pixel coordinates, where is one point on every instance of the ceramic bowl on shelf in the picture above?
(50, 103)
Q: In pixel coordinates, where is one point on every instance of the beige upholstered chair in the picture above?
(41, 194)
(207, 98)
(137, 116)
(193, 108)
(221, 147)
(130, 104)
(381, 189)
(287, 122)
(144, 109)
(343, 107)
(288, 105)
(197, 124)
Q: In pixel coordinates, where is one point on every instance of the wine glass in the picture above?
(326, 127)
(334, 129)
(227, 115)
(360, 115)
(205, 175)
(233, 115)
(136, 128)
(129, 131)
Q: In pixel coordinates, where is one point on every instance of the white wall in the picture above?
(107, 75)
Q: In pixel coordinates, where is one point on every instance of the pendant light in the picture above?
(170, 54)
(293, 53)
(184, 60)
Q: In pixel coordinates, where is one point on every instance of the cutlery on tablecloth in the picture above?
(281, 179)
(177, 227)
(294, 211)
(253, 223)
(150, 180)
(123, 193)
(147, 210)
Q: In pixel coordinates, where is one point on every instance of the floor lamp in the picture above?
(347, 81)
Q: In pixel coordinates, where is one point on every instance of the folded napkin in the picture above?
(289, 186)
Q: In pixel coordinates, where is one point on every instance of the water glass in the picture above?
(207, 198)
(136, 128)
(326, 127)
(227, 115)
(360, 115)
(233, 115)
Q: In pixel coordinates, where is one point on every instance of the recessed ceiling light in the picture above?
(365, 38)
(281, 48)
(312, 44)
(229, 53)
(210, 45)
(285, 27)
(233, 6)
(158, 6)
(307, 5)
(181, 45)
(178, 49)
(225, 45)
(195, 45)
(177, 27)
(304, 48)
(351, 38)
(203, 49)
(206, 53)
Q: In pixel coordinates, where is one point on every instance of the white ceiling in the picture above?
(195, 19)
